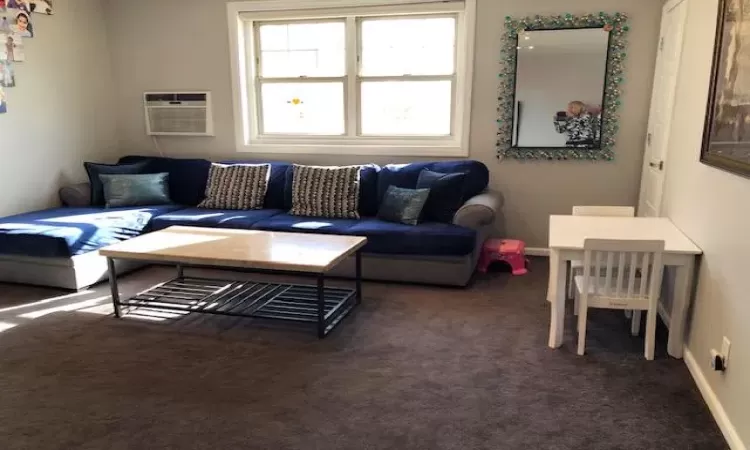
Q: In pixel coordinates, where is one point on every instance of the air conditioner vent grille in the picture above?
(178, 113)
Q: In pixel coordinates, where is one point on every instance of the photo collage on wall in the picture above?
(16, 25)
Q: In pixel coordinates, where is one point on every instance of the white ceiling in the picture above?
(587, 40)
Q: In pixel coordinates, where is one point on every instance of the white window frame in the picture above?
(243, 18)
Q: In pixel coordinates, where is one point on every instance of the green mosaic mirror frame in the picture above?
(616, 24)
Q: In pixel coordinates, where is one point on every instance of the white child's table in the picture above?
(566, 236)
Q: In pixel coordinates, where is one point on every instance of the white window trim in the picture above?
(245, 114)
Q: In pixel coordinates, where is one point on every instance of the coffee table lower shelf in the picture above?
(317, 304)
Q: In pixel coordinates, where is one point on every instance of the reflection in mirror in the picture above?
(560, 86)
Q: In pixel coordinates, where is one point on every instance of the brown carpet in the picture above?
(413, 368)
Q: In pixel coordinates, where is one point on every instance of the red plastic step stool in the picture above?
(511, 251)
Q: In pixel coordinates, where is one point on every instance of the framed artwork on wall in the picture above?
(726, 137)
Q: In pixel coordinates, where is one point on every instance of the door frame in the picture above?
(668, 6)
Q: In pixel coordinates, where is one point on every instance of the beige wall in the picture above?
(183, 44)
(60, 113)
(711, 206)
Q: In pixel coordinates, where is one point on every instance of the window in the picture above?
(383, 78)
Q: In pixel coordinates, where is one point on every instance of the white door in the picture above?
(662, 104)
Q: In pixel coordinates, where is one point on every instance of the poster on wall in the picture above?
(41, 7)
(7, 74)
(3, 104)
(17, 18)
(22, 24)
(4, 22)
(11, 47)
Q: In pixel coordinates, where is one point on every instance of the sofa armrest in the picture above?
(479, 211)
(76, 195)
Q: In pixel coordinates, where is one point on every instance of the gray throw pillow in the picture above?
(236, 186)
(136, 190)
(403, 205)
(331, 192)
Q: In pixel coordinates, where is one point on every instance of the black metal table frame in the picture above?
(324, 306)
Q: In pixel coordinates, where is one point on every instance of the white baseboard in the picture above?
(536, 251)
(717, 410)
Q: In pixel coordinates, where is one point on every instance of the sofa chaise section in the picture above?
(57, 247)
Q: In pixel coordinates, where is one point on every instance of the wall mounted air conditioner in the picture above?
(178, 114)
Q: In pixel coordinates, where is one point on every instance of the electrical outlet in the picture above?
(725, 345)
(717, 361)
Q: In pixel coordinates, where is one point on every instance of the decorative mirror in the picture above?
(560, 86)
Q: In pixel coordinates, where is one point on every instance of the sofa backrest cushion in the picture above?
(406, 175)
(368, 190)
(187, 177)
(276, 182)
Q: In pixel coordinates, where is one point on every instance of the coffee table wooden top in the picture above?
(298, 252)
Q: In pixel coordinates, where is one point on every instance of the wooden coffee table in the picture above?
(289, 253)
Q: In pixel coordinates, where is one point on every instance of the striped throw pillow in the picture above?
(236, 186)
(331, 192)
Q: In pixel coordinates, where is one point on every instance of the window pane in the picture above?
(408, 46)
(303, 108)
(405, 108)
(303, 49)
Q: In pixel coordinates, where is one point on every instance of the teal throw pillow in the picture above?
(403, 205)
(95, 170)
(136, 190)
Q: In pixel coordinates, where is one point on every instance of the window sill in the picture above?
(437, 150)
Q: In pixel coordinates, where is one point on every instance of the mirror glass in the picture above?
(559, 93)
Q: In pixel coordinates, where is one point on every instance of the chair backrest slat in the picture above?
(620, 273)
(645, 271)
(597, 270)
(608, 275)
(632, 270)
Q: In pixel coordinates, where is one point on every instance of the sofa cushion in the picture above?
(275, 198)
(187, 177)
(97, 186)
(403, 205)
(66, 232)
(331, 192)
(217, 218)
(298, 224)
(368, 189)
(236, 186)
(406, 175)
(446, 194)
(143, 189)
(429, 238)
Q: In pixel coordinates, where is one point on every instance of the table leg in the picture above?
(321, 307)
(556, 297)
(358, 275)
(113, 286)
(180, 271)
(683, 290)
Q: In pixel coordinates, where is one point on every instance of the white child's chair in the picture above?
(576, 266)
(614, 291)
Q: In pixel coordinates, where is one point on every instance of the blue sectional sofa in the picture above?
(58, 247)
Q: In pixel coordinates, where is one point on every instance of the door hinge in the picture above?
(661, 44)
(649, 138)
